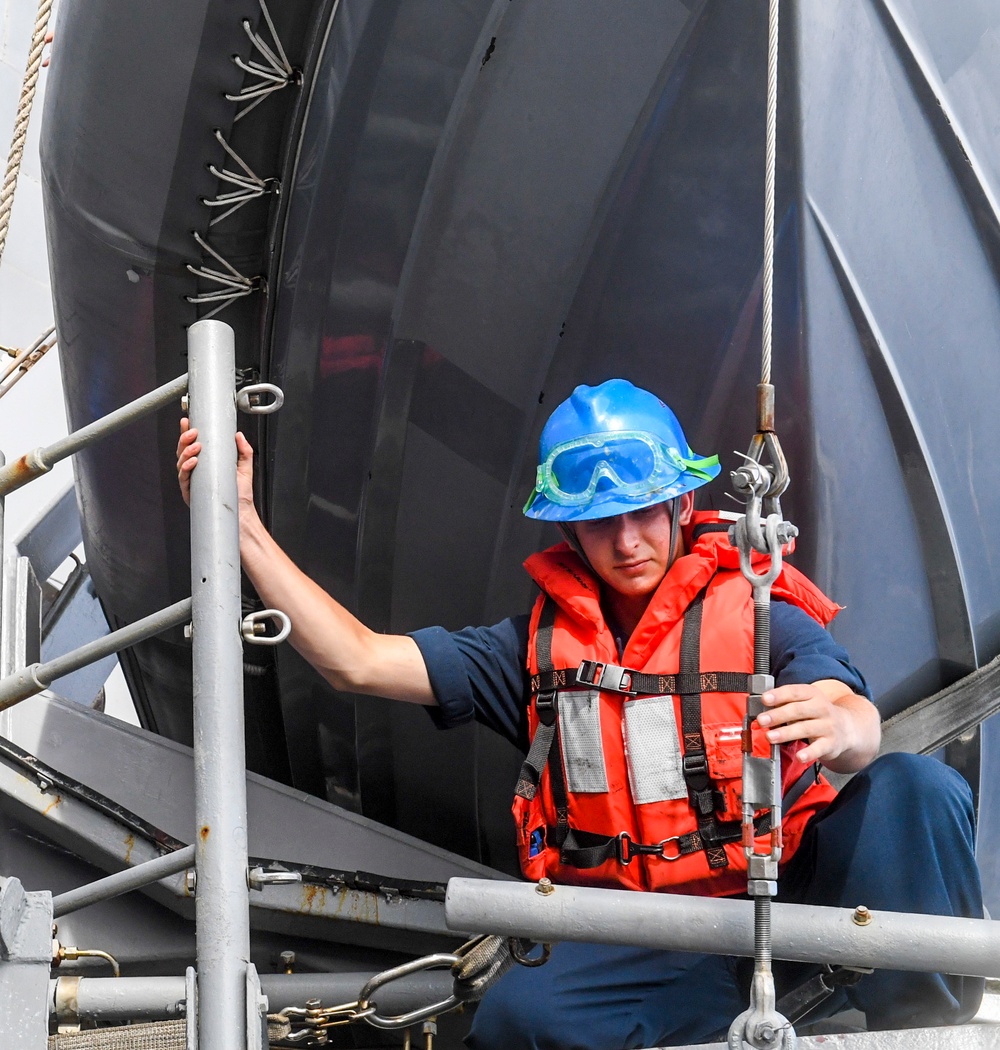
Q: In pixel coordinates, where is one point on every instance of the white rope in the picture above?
(16, 154)
(15, 370)
(769, 181)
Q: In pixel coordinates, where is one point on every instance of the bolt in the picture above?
(188, 630)
(544, 887)
(288, 961)
(185, 404)
(190, 882)
(862, 916)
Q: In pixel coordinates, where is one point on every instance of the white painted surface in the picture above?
(32, 415)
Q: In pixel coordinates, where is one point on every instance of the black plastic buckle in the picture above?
(545, 707)
(695, 765)
(610, 677)
(628, 848)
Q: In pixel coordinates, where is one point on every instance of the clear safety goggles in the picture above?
(635, 462)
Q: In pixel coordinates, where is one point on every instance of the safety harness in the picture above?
(582, 849)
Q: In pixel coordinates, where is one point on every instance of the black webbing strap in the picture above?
(545, 748)
(546, 707)
(701, 790)
(592, 674)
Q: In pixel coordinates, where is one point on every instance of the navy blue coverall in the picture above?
(899, 837)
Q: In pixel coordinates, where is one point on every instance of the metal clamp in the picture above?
(249, 399)
(428, 962)
(258, 878)
(253, 627)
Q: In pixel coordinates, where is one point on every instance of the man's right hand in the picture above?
(344, 651)
(188, 447)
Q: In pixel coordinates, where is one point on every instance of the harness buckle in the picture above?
(545, 707)
(610, 677)
(695, 765)
(628, 849)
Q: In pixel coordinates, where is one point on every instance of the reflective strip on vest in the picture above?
(653, 750)
(580, 736)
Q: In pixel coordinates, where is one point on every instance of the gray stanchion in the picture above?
(222, 906)
(41, 460)
(724, 926)
(123, 881)
(29, 681)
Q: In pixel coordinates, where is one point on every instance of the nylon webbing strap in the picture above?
(701, 790)
(639, 683)
(545, 747)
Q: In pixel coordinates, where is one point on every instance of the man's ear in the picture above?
(687, 508)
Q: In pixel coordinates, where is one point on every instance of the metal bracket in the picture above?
(256, 1012)
(252, 627)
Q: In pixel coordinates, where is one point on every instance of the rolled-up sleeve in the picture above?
(479, 673)
(803, 652)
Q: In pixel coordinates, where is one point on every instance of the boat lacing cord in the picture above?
(232, 285)
(760, 482)
(276, 74)
(16, 154)
(22, 360)
(249, 185)
(476, 966)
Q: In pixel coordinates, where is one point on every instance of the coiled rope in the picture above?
(16, 154)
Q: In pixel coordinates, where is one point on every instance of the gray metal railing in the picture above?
(219, 853)
(41, 460)
(222, 904)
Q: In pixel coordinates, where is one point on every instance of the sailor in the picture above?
(634, 662)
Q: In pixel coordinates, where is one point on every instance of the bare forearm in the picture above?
(345, 652)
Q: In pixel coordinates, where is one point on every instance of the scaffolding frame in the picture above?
(231, 1008)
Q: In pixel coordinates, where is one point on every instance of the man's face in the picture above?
(631, 552)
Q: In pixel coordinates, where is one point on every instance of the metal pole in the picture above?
(29, 681)
(123, 881)
(724, 926)
(222, 908)
(41, 460)
(110, 999)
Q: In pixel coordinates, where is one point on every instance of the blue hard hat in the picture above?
(611, 449)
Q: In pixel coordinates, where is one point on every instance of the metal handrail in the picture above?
(41, 460)
(29, 681)
(125, 881)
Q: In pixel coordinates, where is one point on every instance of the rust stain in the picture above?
(313, 898)
(204, 832)
(52, 805)
(18, 474)
(129, 844)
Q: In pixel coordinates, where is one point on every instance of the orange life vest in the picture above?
(636, 782)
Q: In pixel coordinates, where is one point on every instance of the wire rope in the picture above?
(769, 183)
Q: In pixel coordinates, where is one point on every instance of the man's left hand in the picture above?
(842, 729)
